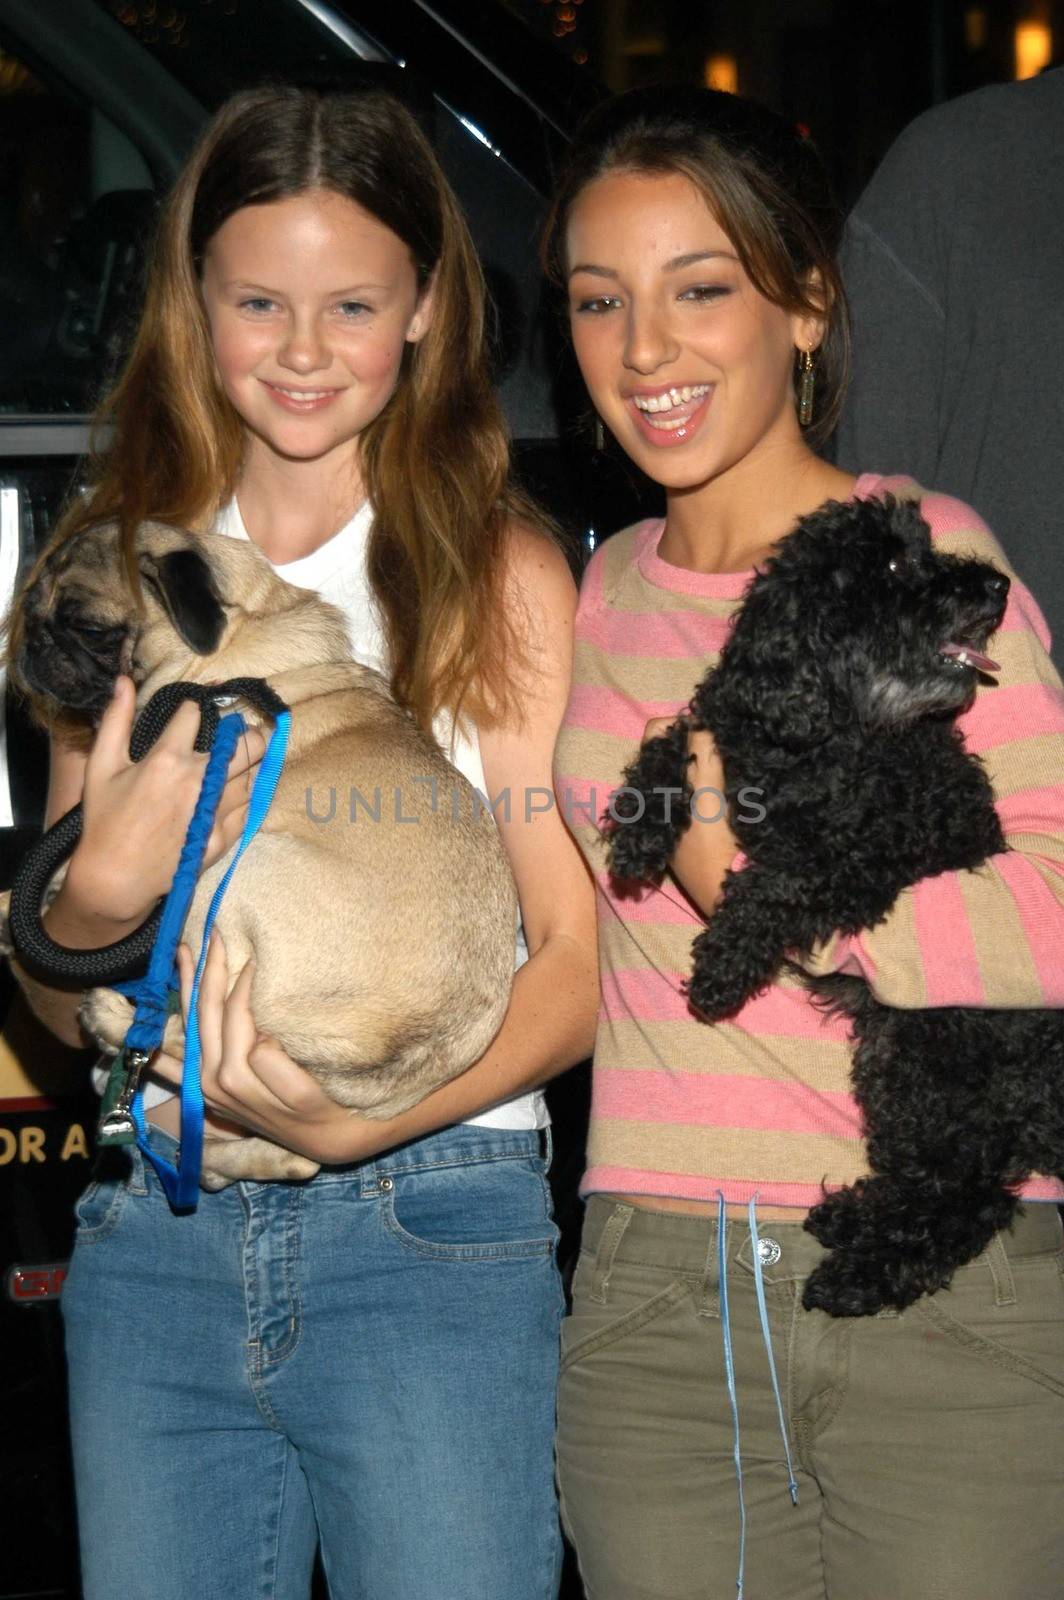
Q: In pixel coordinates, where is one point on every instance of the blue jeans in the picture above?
(368, 1358)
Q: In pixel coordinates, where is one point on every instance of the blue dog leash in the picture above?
(155, 990)
(154, 994)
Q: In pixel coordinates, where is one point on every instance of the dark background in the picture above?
(853, 71)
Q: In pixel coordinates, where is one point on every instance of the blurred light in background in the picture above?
(1034, 48)
(975, 27)
(722, 72)
(14, 76)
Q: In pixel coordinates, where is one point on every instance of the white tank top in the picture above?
(337, 571)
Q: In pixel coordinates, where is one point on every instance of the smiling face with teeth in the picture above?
(311, 302)
(687, 364)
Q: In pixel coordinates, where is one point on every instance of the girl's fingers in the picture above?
(245, 1074)
(181, 730)
(226, 1029)
(110, 749)
(226, 831)
(290, 1084)
(231, 815)
(258, 1080)
(658, 726)
(236, 794)
(210, 1002)
(214, 980)
(238, 1035)
(707, 770)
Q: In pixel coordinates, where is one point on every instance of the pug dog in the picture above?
(376, 899)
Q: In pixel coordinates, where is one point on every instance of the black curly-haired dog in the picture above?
(854, 650)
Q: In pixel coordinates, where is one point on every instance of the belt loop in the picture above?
(1001, 1272)
(547, 1146)
(138, 1172)
(369, 1180)
(612, 1234)
(709, 1289)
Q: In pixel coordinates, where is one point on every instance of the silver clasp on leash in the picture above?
(116, 1126)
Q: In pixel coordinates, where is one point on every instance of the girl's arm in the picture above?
(550, 1023)
(135, 819)
(707, 847)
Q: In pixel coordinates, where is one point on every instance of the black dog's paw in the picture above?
(866, 1270)
(896, 1240)
(836, 1221)
(860, 1282)
(649, 812)
(737, 956)
(852, 1285)
(717, 990)
(638, 850)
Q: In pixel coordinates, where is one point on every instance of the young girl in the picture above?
(694, 240)
(367, 1359)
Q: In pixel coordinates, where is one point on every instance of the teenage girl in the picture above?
(694, 240)
(367, 1359)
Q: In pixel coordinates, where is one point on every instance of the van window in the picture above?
(76, 205)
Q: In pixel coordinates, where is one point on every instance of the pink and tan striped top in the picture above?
(761, 1103)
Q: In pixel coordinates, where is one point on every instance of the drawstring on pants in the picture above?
(729, 1365)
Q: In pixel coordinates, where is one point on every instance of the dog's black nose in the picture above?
(998, 584)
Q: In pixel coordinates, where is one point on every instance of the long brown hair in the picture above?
(435, 462)
(763, 181)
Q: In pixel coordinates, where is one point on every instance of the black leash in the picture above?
(128, 957)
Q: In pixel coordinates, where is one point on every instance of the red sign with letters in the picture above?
(27, 1286)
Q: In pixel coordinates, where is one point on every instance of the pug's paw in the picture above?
(228, 1161)
(105, 1016)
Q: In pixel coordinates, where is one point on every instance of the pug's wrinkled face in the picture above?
(82, 625)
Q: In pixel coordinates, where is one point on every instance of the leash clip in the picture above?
(116, 1124)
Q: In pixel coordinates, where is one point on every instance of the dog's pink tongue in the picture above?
(972, 657)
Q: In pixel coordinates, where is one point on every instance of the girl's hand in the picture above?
(136, 813)
(708, 846)
(657, 727)
(248, 1079)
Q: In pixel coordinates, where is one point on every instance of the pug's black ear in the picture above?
(182, 581)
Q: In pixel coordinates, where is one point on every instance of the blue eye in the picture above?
(353, 308)
(257, 303)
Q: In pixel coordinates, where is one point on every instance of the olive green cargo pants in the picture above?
(928, 1446)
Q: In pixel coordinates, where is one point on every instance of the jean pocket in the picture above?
(492, 1210)
(638, 1298)
(1025, 1336)
(97, 1212)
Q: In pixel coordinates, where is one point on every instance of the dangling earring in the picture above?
(806, 384)
(600, 435)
